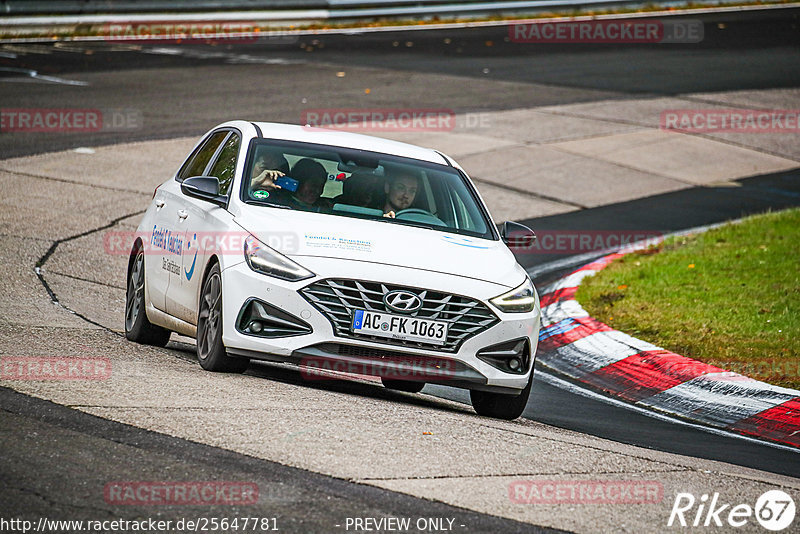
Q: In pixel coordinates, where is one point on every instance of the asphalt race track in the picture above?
(55, 455)
(440, 69)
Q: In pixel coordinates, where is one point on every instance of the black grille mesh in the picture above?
(337, 299)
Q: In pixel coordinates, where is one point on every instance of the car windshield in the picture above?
(363, 185)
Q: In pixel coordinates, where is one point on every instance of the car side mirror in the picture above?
(517, 236)
(205, 188)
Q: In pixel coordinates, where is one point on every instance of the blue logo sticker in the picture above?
(190, 272)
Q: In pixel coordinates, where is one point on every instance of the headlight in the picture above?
(264, 260)
(519, 300)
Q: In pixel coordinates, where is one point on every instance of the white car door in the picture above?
(158, 228)
(204, 226)
(165, 232)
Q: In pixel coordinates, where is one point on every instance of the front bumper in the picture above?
(322, 347)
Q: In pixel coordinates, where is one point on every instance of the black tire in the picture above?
(210, 350)
(501, 405)
(409, 386)
(137, 327)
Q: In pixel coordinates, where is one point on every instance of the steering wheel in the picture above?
(414, 211)
(423, 216)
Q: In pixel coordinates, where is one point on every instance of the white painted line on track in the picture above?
(35, 76)
(229, 58)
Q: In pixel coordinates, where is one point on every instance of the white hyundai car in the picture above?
(337, 252)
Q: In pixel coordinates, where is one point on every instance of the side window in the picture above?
(198, 161)
(225, 166)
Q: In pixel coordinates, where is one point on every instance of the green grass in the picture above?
(729, 297)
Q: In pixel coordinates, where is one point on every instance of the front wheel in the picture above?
(210, 350)
(137, 327)
(501, 405)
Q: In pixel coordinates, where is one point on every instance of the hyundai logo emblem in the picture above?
(402, 301)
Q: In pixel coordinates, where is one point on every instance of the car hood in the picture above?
(297, 234)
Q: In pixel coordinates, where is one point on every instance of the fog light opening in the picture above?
(510, 357)
(257, 318)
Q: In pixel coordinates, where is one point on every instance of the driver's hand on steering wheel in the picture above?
(390, 214)
(266, 180)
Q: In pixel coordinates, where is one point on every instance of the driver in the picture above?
(401, 190)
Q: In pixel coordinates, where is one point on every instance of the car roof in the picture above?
(324, 136)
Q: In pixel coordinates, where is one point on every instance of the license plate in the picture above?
(399, 327)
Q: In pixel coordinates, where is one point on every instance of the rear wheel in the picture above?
(210, 350)
(410, 386)
(501, 405)
(137, 327)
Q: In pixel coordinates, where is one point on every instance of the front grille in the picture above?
(338, 298)
(423, 366)
(355, 351)
(364, 352)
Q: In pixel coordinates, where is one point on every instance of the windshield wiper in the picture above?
(407, 223)
(437, 228)
(268, 204)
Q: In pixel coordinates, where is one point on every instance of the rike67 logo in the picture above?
(774, 510)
